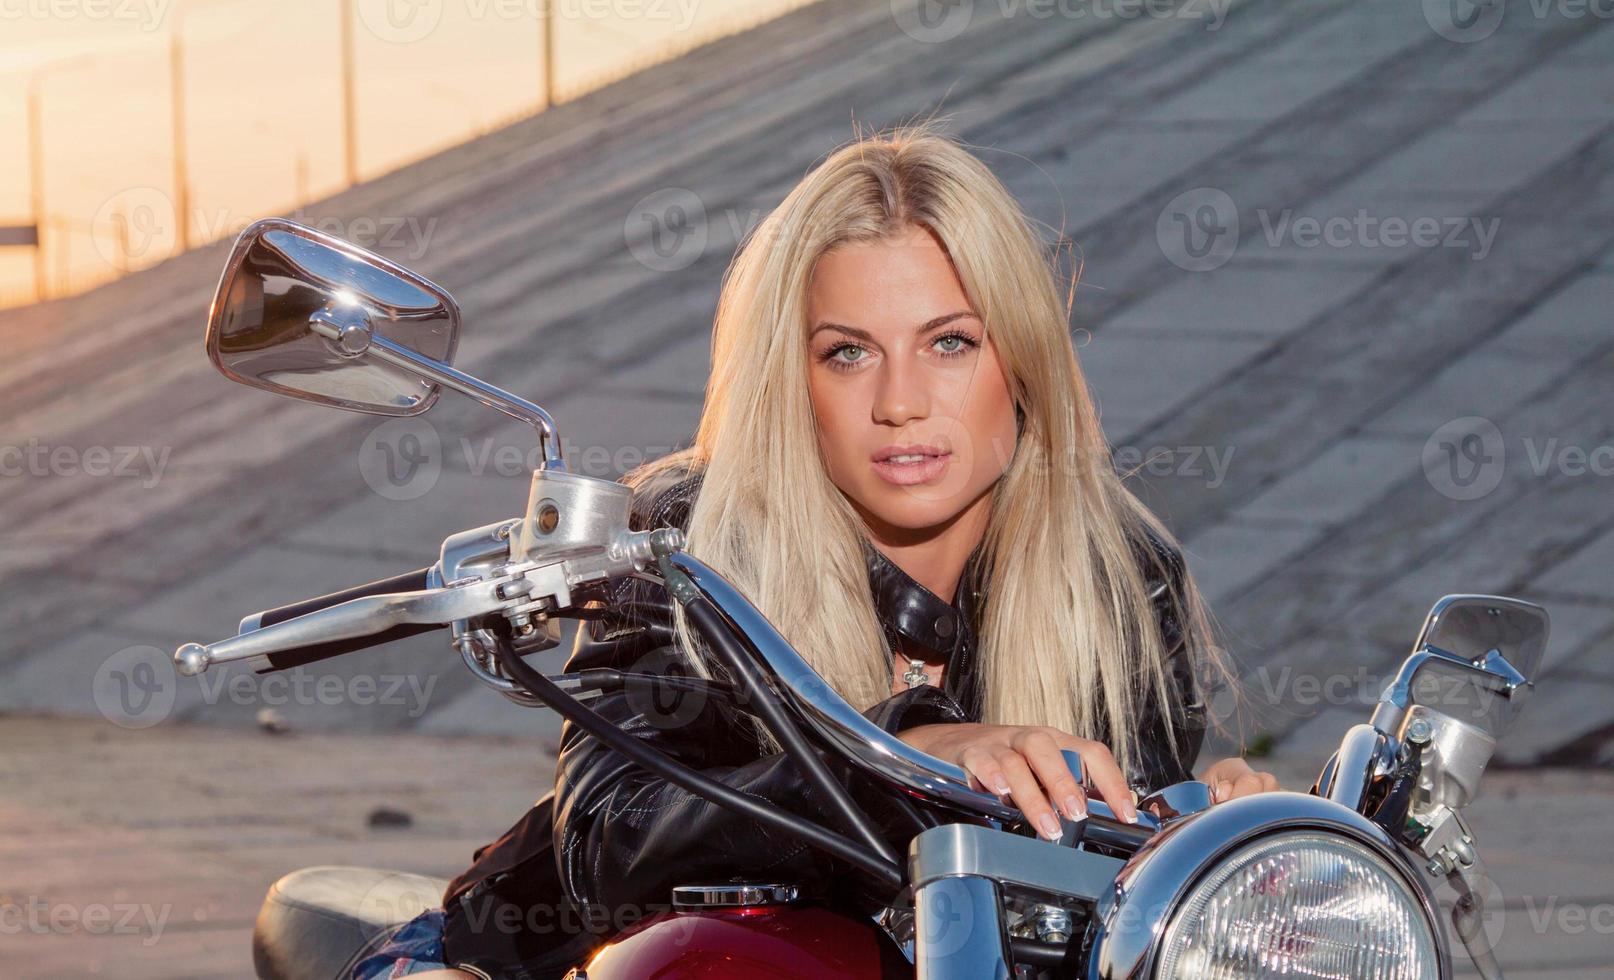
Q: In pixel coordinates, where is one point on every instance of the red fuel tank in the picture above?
(787, 942)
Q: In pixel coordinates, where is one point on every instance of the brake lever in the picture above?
(354, 618)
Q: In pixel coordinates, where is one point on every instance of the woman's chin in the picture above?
(912, 508)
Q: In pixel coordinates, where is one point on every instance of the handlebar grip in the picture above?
(414, 581)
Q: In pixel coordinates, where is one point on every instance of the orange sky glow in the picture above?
(264, 108)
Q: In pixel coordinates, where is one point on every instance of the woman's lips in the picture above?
(904, 471)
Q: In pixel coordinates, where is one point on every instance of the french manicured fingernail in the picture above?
(1074, 808)
(1050, 826)
(1001, 785)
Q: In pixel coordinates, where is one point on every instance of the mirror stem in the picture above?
(365, 341)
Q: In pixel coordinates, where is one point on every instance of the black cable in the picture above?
(611, 679)
(704, 614)
(1391, 813)
(692, 780)
(1034, 952)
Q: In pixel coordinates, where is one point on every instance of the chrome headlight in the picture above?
(1300, 905)
(1272, 885)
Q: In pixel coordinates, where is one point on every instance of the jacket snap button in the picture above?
(944, 627)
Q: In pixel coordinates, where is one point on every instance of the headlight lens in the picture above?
(1300, 905)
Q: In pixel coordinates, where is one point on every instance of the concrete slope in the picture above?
(1346, 290)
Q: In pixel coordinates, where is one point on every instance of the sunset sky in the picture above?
(263, 89)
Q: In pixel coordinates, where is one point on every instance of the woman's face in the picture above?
(914, 414)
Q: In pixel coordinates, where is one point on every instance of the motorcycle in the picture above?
(1339, 881)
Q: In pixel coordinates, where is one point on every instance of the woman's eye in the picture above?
(953, 344)
(844, 355)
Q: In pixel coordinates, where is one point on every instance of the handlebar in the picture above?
(377, 613)
(862, 741)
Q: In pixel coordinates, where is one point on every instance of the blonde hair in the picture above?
(1068, 636)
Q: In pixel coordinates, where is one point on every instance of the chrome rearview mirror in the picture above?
(1475, 661)
(1506, 637)
(297, 313)
(309, 316)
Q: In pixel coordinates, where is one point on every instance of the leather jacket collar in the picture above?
(910, 612)
(917, 614)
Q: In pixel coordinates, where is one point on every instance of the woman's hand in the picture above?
(1232, 778)
(1025, 763)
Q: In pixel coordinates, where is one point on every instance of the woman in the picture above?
(895, 414)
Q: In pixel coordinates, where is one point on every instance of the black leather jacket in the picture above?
(624, 837)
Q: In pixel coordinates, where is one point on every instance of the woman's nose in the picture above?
(901, 395)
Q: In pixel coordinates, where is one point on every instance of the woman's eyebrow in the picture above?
(861, 334)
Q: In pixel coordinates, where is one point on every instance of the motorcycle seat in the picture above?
(317, 923)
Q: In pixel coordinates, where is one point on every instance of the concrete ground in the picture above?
(1348, 268)
(146, 854)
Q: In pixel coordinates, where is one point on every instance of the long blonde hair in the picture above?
(1068, 636)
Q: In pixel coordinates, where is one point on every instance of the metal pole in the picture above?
(546, 15)
(349, 98)
(36, 177)
(176, 76)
